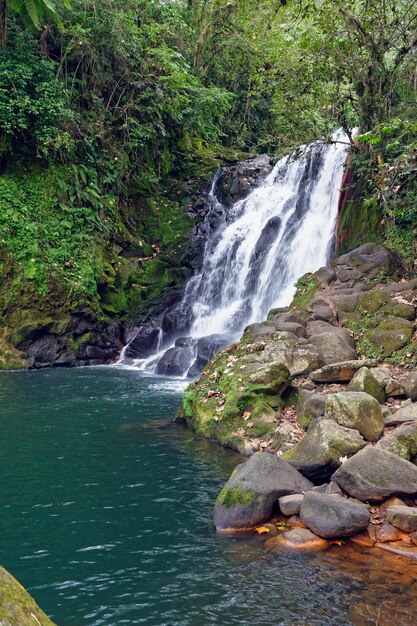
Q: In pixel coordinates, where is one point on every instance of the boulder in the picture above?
(340, 372)
(392, 333)
(297, 354)
(401, 441)
(387, 532)
(394, 388)
(290, 505)
(358, 410)
(403, 517)
(329, 488)
(406, 413)
(319, 327)
(363, 380)
(298, 539)
(249, 496)
(382, 375)
(365, 262)
(320, 451)
(17, 607)
(309, 406)
(410, 386)
(291, 327)
(175, 362)
(375, 474)
(332, 516)
(332, 348)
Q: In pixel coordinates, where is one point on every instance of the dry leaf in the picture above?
(262, 529)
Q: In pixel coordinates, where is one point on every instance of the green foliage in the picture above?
(33, 104)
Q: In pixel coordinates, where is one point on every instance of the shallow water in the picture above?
(106, 519)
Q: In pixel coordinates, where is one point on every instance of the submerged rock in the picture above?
(298, 539)
(248, 497)
(374, 474)
(332, 516)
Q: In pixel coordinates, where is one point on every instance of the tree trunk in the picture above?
(3, 24)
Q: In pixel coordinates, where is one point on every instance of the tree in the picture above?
(32, 12)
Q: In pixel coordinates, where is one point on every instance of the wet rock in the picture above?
(298, 539)
(332, 516)
(403, 517)
(410, 386)
(175, 362)
(401, 441)
(251, 492)
(320, 451)
(356, 410)
(332, 348)
(290, 505)
(145, 342)
(387, 532)
(364, 381)
(374, 474)
(407, 413)
(206, 348)
(398, 548)
(340, 372)
(237, 181)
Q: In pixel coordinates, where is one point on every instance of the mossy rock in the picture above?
(391, 334)
(400, 309)
(363, 380)
(372, 301)
(17, 607)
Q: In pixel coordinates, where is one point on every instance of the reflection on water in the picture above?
(106, 518)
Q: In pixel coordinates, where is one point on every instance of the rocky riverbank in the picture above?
(17, 607)
(322, 396)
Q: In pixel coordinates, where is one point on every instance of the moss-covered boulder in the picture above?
(391, 334)
(363, 380)
(401, 441)
(309, 406)
(17, 607)
(358, 410)
(322, 449)
(249, 496)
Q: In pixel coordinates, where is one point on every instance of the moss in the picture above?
(235, 496)
(372, 301)
(306, 286)
(17, 607)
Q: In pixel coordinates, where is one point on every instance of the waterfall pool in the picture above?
(106, 519)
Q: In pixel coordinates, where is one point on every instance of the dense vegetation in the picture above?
(111, 110)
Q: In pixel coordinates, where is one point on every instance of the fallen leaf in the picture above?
(262, 529)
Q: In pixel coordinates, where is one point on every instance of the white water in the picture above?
(224, 296)
(282, 230)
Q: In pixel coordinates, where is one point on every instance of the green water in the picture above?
(106, 515)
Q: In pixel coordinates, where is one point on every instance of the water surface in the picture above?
(106, 518)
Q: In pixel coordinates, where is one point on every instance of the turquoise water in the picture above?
(106, 517)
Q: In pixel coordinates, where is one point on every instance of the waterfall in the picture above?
(254, 256)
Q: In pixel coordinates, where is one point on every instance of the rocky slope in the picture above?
(17, 607)
(326, 387)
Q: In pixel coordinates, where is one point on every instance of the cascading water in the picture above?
(253, 258)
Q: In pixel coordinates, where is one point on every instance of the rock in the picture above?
(299, 539)
(237, 181)
(401, 441)
(329, 488)
(345, 302)
(271, 378)
(249, 495)
(322, 311)
(373, 300)
(356, 410)
(413, 537)
(387, 532)
(297, 354)
(286, 317)
(340, 372)
(332, 348)
(175, 362)
(366, 538)
(323, 446)
(145, 342)
(407, 413)
(394, 388)
(319, 327)
(374, 474)
(17, 607)
(367, 262)
(332, 516)
(403, 517)
(206, 348)
(309, 406)
(389, 503)
(291, 327)
(363, 380)
(400, 309)
(410, 385)
(382, 375)
(398, 548)
(392, 333)
(290, 505)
